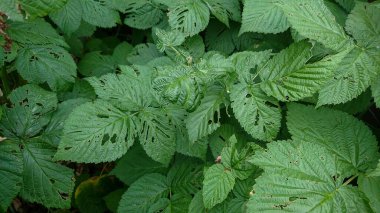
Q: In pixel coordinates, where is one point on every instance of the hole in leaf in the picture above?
(248, 95)
(64, 195)
(113, 139)
(67, 148)
(106, 137)
(102, 116)
(52, 181)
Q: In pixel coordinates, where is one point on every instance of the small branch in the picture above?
(349, 180)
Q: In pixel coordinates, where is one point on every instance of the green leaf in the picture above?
(352, 77)
(302, 177)
(370, 185)
(179, 203)
(312, 19)
(96, 64)
(189, 17)
(141, 14)
(30, 112)
(185, 176)
(35, 32)
(98, 13)
(224, 10)
(375, 88)
(284, 77)
(179, 84)
(205, 119)
(136, 164)
(45, 181)
(143, 193)
(96, 132)
(263, 17)
(257, 113)
(196, 204)
(112, 199)
(10, 9)
(69, 17)
(39, 8)
(168, 39)
(143, 53)
(217, 185)
(125, 91)
(348, 138)
(10, 172)
(157, 133)
(220, 38)
(363, 24)
(50, 64)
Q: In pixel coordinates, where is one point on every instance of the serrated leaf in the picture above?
(39, 8)
(179, 84)
(224, 10)
(189, 17)
(263, 17)
(217, 184)
(31, 110)
(136, 164)
(141, 14)
(143, 53)
(50, 64)
(69, 17)
(370, 186)
(96, 132)
(205, 119)
(348, 138)
(375, 88)
(99, 13)
(45, 181)
(37, 31)
(96, 64)
(353, 76)
(312, 19)
(168, 39)
(257, 113)
(143, 193)
(363, 24)
(196, 204)
(185, 176)
(10, 172)
(157, 133)
(125, 91)
(302, 177)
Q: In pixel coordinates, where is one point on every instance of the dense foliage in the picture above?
(190, 105)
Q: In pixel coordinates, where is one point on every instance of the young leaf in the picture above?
(263, 17)
(348, 138)
(217, 184)
(302, 177)
(96, 132)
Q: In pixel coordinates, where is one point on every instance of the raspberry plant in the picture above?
(190, 105)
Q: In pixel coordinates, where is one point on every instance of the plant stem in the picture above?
(349, 180)
(5, 81)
